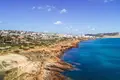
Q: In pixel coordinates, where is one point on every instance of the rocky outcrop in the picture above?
(38, 64)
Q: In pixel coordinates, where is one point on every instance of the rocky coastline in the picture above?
(37, 62)
(42, 64)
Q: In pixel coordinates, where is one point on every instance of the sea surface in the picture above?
(95, 60)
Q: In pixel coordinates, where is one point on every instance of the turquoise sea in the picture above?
(95, 60)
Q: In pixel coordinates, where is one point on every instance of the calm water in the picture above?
(95, 60)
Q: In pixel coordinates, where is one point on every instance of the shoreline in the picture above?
(47, 60)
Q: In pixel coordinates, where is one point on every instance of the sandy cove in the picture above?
(41, 63)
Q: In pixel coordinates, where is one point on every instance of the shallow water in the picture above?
(95, 60)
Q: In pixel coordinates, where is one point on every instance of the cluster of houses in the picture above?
(10, 38)
(34, 35)
(25, 36)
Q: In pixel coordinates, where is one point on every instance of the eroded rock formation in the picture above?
(37, 64)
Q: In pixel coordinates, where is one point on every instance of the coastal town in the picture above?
(14, 38)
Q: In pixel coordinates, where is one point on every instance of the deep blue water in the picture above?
(95, 60)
